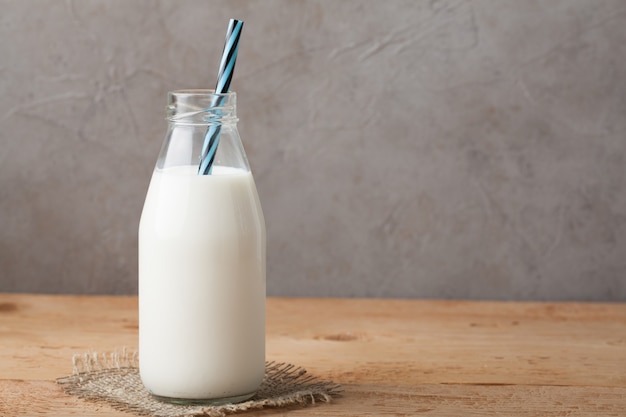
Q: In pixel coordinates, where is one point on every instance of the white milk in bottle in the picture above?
(201, 263)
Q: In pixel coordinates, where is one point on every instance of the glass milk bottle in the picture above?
(201, 262)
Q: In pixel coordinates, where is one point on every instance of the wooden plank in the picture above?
(28, 398)
(20, 398)
(454, 342)
(394, 357)
(40, 333)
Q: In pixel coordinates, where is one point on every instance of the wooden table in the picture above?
(393, 357)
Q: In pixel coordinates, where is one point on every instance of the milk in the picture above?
(202, 285)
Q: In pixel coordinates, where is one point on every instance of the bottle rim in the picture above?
(201, 92)
(201, 107)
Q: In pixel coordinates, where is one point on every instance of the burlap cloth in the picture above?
(113, 378)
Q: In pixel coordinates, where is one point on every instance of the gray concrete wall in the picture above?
(457, 149)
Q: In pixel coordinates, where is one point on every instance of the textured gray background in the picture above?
(458, 149)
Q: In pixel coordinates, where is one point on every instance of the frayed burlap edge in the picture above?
(113, 378)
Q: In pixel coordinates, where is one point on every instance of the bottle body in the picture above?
(201, 276)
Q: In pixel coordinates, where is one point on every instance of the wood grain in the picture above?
(393, 357)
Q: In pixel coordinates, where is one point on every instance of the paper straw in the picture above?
(224, 77)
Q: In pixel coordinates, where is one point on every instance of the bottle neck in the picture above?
(193, 116)
(201, 108)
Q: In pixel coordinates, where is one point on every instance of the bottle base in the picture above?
(208, 401)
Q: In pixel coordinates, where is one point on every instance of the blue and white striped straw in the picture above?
(224, 77)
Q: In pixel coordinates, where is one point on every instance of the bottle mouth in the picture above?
(204, 107)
